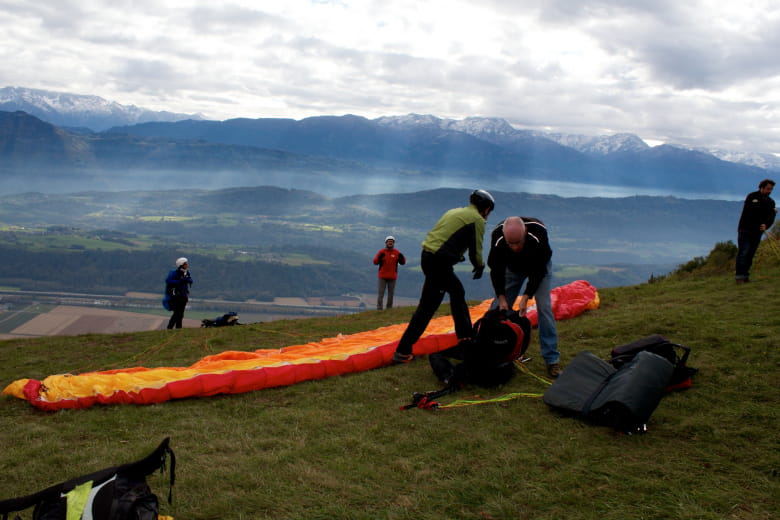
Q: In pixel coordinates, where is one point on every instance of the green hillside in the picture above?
(250, 242)
(340, 448)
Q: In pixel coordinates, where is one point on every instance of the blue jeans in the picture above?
(548, 334)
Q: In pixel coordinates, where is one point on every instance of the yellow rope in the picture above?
(506, 397)
(134, 358)
(521, 366)
(499, 399)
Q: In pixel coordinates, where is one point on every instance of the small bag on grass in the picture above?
(116, 493)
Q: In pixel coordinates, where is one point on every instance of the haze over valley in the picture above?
(279, 207)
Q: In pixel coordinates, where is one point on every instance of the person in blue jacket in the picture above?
(177, 289)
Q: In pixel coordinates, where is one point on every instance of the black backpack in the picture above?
(488, 360)
(226, 320)
(116, 493)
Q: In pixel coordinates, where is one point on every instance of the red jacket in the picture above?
(388, 260)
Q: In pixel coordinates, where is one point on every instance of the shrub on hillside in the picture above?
(720, 260)
(768, 253)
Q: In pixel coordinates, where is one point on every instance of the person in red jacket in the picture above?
(387, 259)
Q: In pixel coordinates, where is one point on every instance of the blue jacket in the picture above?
(177, 285)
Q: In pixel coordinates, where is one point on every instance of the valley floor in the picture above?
(93, 317)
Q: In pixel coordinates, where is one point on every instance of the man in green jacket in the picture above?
(445, 245)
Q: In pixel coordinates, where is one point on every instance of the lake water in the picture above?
(374, 186)
(576, 189)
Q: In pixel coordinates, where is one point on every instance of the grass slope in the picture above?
(341, 448)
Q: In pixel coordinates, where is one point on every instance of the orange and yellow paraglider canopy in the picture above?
(238, 371)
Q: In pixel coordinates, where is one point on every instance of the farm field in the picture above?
(72, 320)
(38, 320)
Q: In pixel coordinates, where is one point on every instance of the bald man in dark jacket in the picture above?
(520, 253)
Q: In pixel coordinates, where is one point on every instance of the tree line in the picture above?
(119, 272)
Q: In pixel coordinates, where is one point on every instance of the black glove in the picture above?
(478, 271)
(381, 258)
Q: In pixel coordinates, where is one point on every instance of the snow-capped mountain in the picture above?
(80, 111)
(599, 145)
(487, 128)
(98, 114)
(499, 131)
(766, 161)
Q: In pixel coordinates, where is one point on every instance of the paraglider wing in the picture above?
(239, 371)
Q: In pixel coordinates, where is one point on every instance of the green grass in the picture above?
(39, 240)
(341, 448)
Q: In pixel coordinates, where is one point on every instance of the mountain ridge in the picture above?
(343, 154)
(80, 110)
(488, 150)
(88, 111)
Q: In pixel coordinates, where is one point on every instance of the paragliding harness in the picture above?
(229, 319)
(116, 493)
(500, 338)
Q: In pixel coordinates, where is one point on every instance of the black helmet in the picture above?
(482, 200)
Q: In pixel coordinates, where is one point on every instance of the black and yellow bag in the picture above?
(116, 493)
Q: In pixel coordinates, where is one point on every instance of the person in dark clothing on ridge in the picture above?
(387, 259)
(519, 251)
(758, 214)
(177, 287)
(456, 231)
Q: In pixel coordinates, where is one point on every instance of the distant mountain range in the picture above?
(80, 111)
(44, 146)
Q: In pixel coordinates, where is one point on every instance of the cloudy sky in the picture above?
(697, 72)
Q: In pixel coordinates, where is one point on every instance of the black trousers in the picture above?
(177, 306)
(440, 278)
(478, 367)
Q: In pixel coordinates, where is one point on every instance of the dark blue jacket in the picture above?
(758, 209)
(177, 285)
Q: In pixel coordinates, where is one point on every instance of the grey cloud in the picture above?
(681, 49)
(231, 18)
(478, 73)
(146, 75)
(62, 16)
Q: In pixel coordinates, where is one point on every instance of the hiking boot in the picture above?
(554, 370)
(399, 358)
